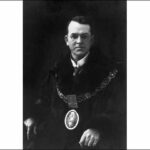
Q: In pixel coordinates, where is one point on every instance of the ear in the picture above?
(66, 39)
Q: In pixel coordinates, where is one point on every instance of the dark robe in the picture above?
(104, 111)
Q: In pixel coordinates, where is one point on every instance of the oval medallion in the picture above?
(71, 119)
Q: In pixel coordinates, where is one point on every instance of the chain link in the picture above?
(88, 95)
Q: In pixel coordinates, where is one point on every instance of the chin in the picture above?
(80, 55)
(79, 52)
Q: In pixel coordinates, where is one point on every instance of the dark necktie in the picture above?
(76, 70)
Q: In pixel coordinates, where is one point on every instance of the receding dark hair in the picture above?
(83, 20)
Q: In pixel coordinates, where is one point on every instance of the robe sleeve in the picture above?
(109, 113)
(42, 105)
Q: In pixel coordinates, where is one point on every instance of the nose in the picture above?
(79, 39)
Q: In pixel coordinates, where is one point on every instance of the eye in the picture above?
(74, 36)
(84, 36)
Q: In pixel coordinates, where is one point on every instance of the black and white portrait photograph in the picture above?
(74, 74)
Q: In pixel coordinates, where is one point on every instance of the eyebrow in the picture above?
(80, 33)
(85, 33)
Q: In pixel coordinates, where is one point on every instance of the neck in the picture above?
(77, 58)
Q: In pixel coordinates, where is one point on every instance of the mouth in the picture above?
(79, 47)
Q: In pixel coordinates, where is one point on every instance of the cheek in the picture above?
(87, 44)
(71, 44)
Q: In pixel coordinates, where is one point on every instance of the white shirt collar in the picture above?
(79, 63)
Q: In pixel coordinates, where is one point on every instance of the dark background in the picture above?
(44, 27)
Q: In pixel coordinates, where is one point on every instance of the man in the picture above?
(81, 86)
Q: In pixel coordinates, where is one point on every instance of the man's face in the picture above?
(79, 39)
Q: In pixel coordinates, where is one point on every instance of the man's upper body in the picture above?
(80, 106)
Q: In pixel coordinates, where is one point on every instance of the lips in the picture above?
(80, 47)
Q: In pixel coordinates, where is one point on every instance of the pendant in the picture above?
(71, 119)
(72, 101)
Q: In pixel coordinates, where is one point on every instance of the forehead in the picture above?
(75, 27)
